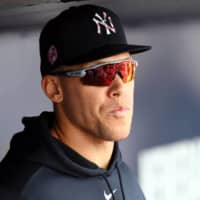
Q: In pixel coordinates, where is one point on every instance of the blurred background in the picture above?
(164, 146)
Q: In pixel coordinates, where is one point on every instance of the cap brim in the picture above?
(107, 51)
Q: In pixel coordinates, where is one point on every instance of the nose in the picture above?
(116, 88)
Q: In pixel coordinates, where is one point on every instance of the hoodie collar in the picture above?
(45, 149)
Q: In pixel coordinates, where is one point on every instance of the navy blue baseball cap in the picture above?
(83, 34)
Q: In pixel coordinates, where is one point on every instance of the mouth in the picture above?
(120, 111)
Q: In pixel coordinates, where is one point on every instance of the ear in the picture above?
(52, 88)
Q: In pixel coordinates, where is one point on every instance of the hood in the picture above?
(36, 144)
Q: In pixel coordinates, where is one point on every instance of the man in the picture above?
(72, 153)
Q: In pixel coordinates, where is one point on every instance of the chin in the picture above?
(115, 130)
(117, 135)
(121, 136)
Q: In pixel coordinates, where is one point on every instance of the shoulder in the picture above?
(130, 182)
(14, 176)
(126, 170)
(8, 194)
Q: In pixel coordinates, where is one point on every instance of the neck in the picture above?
(90, 147)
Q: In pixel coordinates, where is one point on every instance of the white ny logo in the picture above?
(103, 21)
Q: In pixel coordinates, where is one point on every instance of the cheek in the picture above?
(130, 92)
(82, 102)
(71, 99)
(69, 105)
(92, 100)
(127, 96)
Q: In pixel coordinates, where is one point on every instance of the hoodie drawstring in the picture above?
(109, 186)
(120, 180)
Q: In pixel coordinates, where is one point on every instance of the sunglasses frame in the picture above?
(81, 73)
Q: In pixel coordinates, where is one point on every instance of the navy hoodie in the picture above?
(40, 167)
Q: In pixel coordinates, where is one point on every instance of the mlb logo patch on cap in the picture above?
(52, 54)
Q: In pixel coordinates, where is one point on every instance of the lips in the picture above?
(120, 111)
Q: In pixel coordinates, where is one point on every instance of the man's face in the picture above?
(103, 112)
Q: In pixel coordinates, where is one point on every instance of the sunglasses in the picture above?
(103, 74)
